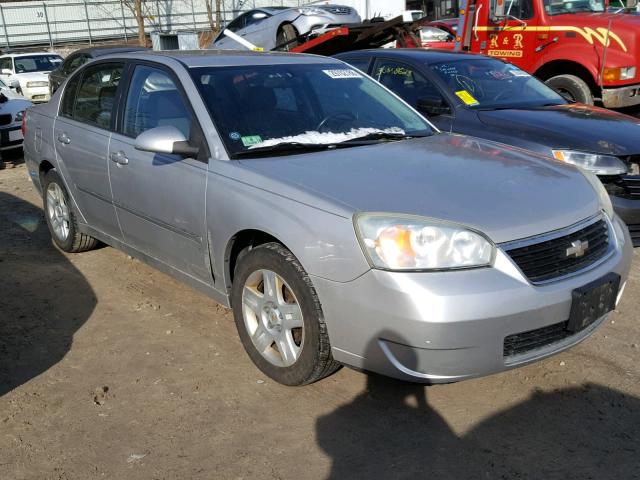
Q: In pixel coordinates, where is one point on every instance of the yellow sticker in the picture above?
(467, 98)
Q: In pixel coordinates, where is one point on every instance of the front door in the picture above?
(81, 135)
(160, 198)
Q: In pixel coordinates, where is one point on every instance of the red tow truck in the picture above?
(576, 46)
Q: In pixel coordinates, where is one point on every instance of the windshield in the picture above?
(315, 104)
(485, 83)
(37, 63)
(557, 7)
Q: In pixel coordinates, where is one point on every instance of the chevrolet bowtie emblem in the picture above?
(578, 248)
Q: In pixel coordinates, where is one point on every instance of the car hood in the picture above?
(505, 192)
(577, 127)
(33, 77)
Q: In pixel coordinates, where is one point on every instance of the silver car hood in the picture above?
(505, 192)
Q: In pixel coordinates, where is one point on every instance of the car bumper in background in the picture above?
(37, 94)
(439, 327)
(619, 97)
(10, 137)
(628, 209)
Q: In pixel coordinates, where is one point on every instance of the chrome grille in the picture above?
(549, 259)
(337, 10)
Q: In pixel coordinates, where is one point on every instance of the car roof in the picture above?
(108, 50)
(212, 58)
(427, 55)
(28, 54)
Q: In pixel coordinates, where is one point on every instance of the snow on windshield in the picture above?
(328, 138)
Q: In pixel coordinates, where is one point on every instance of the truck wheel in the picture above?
(61, 219)
(572, 88)
(279, 317)
(286, 33)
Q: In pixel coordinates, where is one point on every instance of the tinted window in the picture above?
(154, 101)
(522, 9)
(5, 63)
(361, 64)
(255, 104)
(488, 83)
(69, 96)
(405, 81)
(72, 64)
(37, 63)
(95, 98)
(238, 23)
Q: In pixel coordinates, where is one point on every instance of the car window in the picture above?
(405, 81)
(258, 104)
(37, 63)
(93, 101)
(238, 23)
(361, 63)
(154, 100)
(5, 63)
(72, 64)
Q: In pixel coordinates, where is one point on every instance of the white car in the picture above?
(12, 111)
(31, 71)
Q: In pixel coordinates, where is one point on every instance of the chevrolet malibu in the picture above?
(338, 224)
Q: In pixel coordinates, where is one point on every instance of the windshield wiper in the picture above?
(378, 136)
(286, 148)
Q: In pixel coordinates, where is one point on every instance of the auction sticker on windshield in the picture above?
(467, 98)
(251, 140)
(342, 73)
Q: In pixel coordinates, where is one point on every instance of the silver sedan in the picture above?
(273, 27)
(340, 226)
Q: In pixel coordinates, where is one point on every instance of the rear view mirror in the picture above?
(168, 140)
(432, 106)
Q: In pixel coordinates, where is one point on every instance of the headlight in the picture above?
(37, 84)
(408, 242)
(598, 164)
(19, 116)
(603, 196)
(311, 11)
(611, 74)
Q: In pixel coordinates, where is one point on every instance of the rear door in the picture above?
(160, 198)
(81, 134)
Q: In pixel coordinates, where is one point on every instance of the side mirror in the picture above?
(630, 4)
(432, 106)
(168, 140)
(499, 10)
(6, 71)
(14, 85)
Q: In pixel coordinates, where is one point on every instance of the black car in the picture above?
(495, 100)
(80, 57)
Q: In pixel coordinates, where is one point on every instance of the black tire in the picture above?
(286, 33)
(572, 88)
(75, 241)
(315, 360)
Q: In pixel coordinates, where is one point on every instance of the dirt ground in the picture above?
(110, 369)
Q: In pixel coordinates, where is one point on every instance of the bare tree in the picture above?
(136, 7)
(215, 24)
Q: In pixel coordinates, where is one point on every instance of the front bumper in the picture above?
(10, 137)
(620, 97)
(628, 210)
(441, 327)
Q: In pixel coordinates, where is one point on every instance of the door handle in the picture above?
(63, 138)
(120, 158)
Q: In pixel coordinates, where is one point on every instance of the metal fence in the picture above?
(57, 22)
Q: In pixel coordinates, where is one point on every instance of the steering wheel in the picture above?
(344, 116)
(468, 84)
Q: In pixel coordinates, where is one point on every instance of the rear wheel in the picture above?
(572, 88)
(60, 217)
(279, 317)
(287, 33)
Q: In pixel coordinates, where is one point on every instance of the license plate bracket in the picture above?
(590, 302)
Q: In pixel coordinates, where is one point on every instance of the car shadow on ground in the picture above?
(389, 431)
(44, 299)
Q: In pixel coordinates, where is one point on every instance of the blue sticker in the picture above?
(235, 136)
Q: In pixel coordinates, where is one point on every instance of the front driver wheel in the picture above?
(279, 317)
(285, 37)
